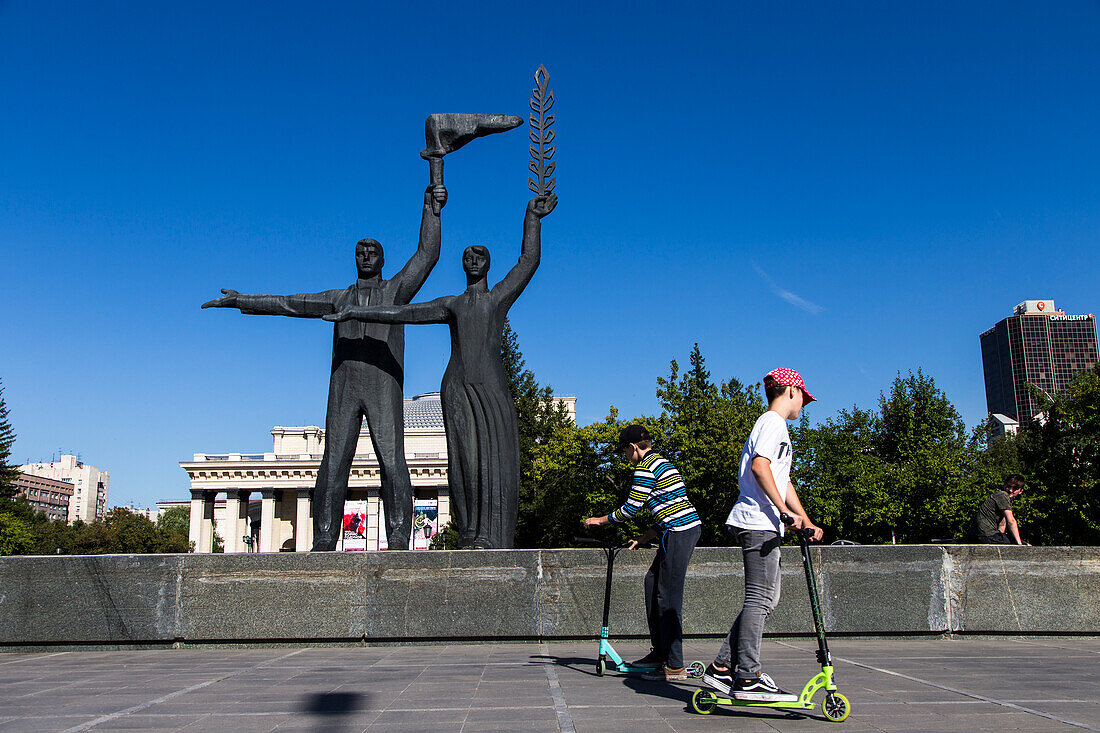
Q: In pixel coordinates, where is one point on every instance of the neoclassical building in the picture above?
(262, 501)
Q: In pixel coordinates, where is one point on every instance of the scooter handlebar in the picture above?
(804, 532)
(600, 543)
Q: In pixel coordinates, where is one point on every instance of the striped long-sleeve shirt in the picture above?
(657, 486)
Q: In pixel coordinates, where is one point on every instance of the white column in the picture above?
(237, 519)
(303, 521)
(267, 520)
(231, 532)
(194, 533)
(444, 507)
(375, 521)
(208, 521)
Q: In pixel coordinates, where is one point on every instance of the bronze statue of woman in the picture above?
(478, 412)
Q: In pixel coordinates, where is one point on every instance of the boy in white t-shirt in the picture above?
(766, 493)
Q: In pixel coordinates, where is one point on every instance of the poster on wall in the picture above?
(355, 525)
(425, 522)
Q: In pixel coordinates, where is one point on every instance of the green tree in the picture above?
(175, 520)
(577, 474)
(54, 537)
(16, 535)
(1060, 454)
(129, 533)
(923, 440)
(8, 472)
(89, 538)
(173, 529)
(539, 416)
(702, 429)
(844, 486)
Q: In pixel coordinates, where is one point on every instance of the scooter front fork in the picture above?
(821, 681)
(608, 653)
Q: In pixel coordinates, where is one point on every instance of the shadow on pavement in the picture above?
(584, 665)
(333, 709)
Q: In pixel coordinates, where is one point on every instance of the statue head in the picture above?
(369, 257)
(475, 261)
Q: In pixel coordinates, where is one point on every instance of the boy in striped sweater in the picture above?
(657, 487)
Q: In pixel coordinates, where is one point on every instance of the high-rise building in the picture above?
(1038, 345)
(89, 499)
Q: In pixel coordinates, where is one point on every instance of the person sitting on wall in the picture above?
(995, 516)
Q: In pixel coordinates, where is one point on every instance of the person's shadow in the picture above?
(331, 710)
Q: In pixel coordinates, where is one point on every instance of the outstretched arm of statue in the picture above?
(416, 270)
(434, 311)
(530, 251)
(303, 305)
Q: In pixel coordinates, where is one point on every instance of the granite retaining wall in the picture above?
(152, 600)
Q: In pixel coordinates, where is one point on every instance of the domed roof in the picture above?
(424, 411)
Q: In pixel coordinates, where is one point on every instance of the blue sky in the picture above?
(846, 188)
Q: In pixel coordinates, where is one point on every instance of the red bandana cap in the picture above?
(789, 377)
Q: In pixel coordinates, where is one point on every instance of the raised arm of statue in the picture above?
(416, 270)
(434, 311)
(302, 305)
(508, 289)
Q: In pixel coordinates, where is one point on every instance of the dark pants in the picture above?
(664, 594)
(998, 538)
(356, 392)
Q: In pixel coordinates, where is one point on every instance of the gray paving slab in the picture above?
(928, 684)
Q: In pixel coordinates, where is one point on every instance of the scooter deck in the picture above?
(709, 701)
(834, 706)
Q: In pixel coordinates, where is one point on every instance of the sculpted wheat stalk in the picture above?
(541, 165)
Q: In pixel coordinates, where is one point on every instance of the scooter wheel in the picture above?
(601, 667)
(696, 669)
(704, 701)
(835, 707)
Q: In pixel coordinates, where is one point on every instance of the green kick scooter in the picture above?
(834, 706)
(608, 657)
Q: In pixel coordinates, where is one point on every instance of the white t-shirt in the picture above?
(769, 439)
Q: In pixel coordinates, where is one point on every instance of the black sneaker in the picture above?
(718, 680)
(761, 689)
(652, 660)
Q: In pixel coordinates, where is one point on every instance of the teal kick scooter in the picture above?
(834, 706)
(608, 657)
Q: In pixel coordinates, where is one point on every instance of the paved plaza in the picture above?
(988, 684)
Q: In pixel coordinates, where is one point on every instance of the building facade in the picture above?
(263, 502)
(1038, 345)
(46, 494)
(90, 485)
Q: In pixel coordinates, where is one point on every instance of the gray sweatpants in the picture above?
(760, 552)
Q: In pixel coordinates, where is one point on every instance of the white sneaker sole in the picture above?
(716, 685)
(765, 696)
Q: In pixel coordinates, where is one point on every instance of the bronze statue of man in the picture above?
(367, 375)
